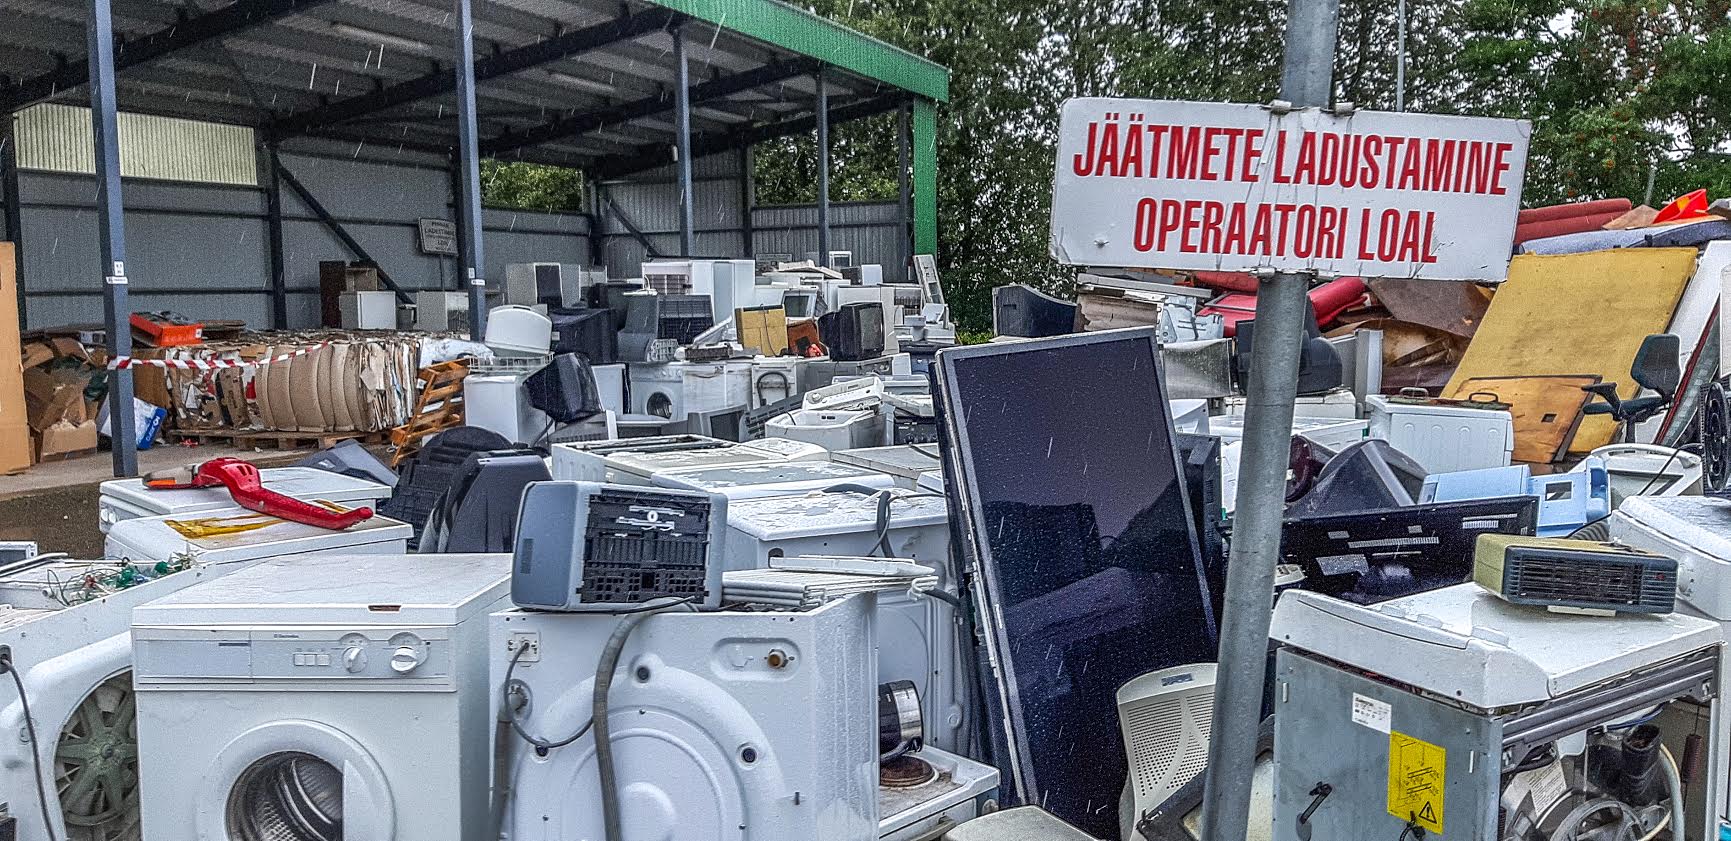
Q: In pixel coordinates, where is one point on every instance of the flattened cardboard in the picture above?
(15, 449)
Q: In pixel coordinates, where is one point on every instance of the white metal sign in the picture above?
(1219, 186)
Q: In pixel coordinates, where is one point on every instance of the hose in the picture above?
(610, 654)
(1674, 786)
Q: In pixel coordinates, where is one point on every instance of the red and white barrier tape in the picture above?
(123, 362)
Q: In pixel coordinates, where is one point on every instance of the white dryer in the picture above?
(724, 725)
(320, 698)
(66, 626)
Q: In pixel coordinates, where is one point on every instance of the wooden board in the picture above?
(1577, 314)
(1547, 410)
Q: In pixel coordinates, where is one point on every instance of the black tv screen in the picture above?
(1063, 458)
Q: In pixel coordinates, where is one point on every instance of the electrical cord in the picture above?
(610, 654)
(544, 746)
(35, 746)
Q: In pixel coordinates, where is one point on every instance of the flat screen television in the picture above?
(1066, 471)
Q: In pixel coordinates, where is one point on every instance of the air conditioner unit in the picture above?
(1166, 717)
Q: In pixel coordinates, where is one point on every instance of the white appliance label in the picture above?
(1372, 713)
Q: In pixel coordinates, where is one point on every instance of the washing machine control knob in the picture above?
(355, 658)
(405, 659)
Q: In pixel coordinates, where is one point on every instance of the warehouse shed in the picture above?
(356, 103)
(259, 137)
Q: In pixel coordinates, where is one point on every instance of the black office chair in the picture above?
(1656, 367)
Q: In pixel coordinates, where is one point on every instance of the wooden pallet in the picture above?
(272, 440)
(438, 407)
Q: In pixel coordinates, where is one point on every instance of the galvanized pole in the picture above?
(469, 170)
(822, 171)
(117, 312)
(1307, 80)
(682, 127)
(1400, 59)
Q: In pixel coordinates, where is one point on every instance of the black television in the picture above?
(588, 332)
(1071, 503)
(853, 333)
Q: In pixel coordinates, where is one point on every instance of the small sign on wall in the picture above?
(438, 236)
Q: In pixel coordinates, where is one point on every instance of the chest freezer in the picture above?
(753, 481)
(633, 461)
(128, 499)
(235, 535)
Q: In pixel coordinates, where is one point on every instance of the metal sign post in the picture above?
(469, 171)
(1289, 191)
(1307, 80)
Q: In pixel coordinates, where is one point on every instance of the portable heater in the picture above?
(1575, 576)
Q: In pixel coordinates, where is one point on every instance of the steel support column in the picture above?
(273, 228)
(469, 166)
(925, 169)
(111, 225)
(12, 206)
(822, 170)
(682, 129)
(904, 186)
(747, 197)
(1306, 81)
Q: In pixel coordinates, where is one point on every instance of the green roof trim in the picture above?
(796, 29)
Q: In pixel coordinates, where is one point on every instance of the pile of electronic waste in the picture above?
(876, 603)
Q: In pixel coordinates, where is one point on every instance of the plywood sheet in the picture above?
(1578, 314)
(1546, 410)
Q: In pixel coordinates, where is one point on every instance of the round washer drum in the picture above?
(295, 780)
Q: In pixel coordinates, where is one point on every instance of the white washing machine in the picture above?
(774, 379)
(68, 630)
(725, 725)
(917, 638)
(675, 389)
(351, 705)
(234, 535)
(128, 499)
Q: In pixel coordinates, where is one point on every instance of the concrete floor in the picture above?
(55, 504)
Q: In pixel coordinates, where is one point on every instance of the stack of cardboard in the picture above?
(357, 383)
(57, 378)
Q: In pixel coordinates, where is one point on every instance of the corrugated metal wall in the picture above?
(56, 138)
(873, 231)
(202, 249)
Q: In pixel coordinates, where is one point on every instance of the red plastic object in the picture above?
(1684, 208)
(247, 487)
(164, 333)
(1328, 300)
(1227, 281)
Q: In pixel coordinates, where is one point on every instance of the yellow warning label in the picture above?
(1417, 775)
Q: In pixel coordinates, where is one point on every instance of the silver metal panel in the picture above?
(1317, 741)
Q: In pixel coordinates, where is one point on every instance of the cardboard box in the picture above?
(15, 449)
(66, 439)
(52, 395)
(762, 328)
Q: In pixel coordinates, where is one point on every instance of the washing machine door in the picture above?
(296, 781)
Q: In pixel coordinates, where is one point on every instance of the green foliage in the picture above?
(1618, 91)
(527, 186)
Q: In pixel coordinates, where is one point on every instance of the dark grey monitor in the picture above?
(1063, 459)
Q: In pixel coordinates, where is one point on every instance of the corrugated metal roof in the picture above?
(56, 138)
(331, 51)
